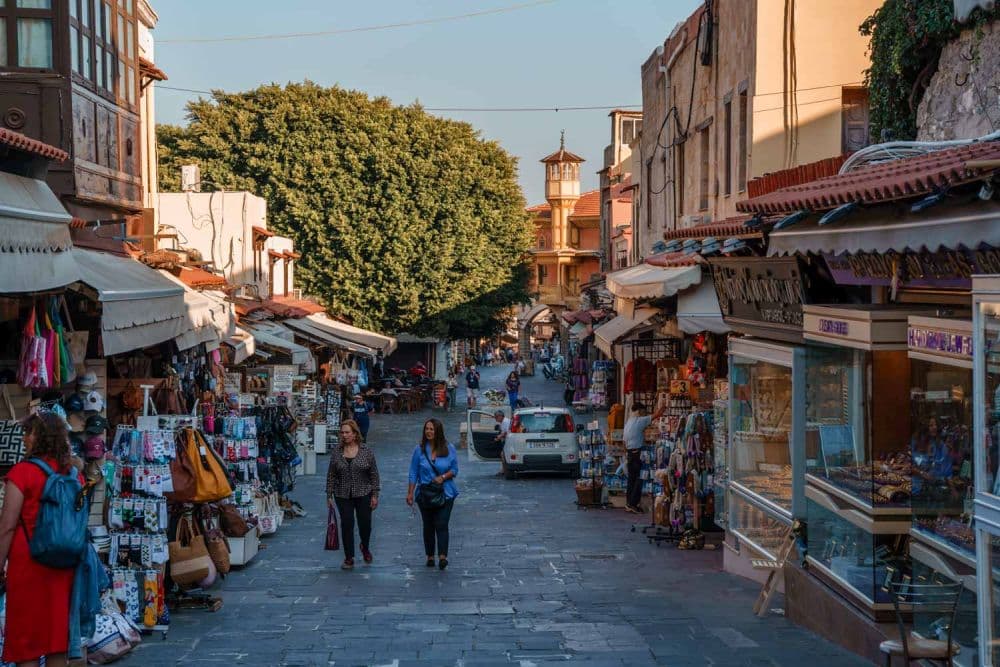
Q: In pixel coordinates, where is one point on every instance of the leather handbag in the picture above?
(218, 549)
(430, 496)
(190, 561)
(332, 536)
(198, 463)
(232, 522)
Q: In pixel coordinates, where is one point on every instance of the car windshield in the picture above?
(543, 422)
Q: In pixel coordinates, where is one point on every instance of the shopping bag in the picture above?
(190, 561)
(11, 436)
(332, 536)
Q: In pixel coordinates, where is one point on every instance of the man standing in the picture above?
(472, 385)
(634, 440)
(502, 428)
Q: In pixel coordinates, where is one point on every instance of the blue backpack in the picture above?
(60, 534)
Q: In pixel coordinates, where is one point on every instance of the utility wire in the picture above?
(342, 31)
(501, 109)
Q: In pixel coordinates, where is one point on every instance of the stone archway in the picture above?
(524, 323)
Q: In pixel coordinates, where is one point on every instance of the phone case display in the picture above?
(941, 449)
(138, 476)
(761, 529)
(720, 449)
(854, 557)
(332, 402)
(601, 380)
(760, 459)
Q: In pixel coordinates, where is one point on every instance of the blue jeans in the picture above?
(512, 398)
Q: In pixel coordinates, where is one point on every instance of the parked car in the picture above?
(541, 439)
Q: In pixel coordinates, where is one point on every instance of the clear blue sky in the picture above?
(565, 53)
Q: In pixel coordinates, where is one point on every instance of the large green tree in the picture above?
(405, 221)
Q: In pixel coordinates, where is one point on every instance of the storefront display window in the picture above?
(762, 530)
(857, 423)
(760, 459)
(930, 625)
(854, 557)
(941, 449)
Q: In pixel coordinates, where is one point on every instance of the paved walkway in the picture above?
(533, 581)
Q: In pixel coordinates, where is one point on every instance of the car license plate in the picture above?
(542, 444)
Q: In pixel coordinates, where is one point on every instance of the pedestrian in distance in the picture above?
(452, 387)
(634, 438)
(433, 468)
(38, 596)
(503, 430)
(513, 388)
(353, 485)
(472, 385)
(360, 411)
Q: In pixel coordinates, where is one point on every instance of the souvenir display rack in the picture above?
(593, 456)
(653, 350)
(602, 383)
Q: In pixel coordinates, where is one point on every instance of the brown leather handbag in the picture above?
(199, 461)
(218, 549)
(232, 522)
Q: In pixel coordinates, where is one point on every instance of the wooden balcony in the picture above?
(558, 295)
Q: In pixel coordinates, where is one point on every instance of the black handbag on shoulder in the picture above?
(430, 496)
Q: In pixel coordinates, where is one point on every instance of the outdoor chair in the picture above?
(911, 599)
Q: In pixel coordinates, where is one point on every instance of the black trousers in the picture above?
(348, 507)
(436, 528)
(633, 496)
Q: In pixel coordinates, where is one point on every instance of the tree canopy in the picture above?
(405, 221)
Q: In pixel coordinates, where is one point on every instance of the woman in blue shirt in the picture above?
(434, 461)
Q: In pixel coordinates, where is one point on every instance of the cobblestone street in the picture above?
(532, 581)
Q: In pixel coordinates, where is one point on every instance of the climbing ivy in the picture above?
(906, 39)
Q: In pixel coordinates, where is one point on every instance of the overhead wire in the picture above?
(371, 28)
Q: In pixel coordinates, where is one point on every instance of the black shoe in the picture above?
(430, 562)
(442, 563)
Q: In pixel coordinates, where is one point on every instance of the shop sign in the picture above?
(950, 269)
(834, 327)
(764, 292)
(952, 343)
(282, 379)
(680, 387)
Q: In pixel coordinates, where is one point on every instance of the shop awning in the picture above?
(275, 329)
(210, 318)
(606, 335)
(883, 229)
(35, 244)
(140, 306)
(243, 344)
(370, 339)
(698, 309)
(644, 281)
(298, 353)
(307, 329)
(578, 330)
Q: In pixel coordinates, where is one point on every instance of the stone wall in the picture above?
(963, 99)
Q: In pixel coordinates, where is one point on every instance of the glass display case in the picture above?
(857, 424)
(855, 554)
(759, 528)
(720, 440)
(930, 566)
(766, 419)
(941, 439)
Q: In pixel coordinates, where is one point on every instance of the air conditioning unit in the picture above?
(190, 178)
(692, 220)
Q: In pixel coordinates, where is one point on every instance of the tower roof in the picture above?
(562, 155)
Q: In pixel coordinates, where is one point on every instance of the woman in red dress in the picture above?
(37, 596)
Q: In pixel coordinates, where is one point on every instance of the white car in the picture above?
(540, 440)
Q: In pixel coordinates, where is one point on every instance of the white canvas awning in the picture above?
(578, 330)
(243, 344)
(645, 281)
(140, 307)
(307, 329)
(275, 329)
(606, 335)
(884, 229)
(298, 353)
(35, 244)
(370, 339)
(210, 317)
(698, 309)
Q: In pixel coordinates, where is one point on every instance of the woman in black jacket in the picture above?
(352, 482)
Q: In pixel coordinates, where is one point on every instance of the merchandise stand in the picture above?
(652, 350)
(593, 450)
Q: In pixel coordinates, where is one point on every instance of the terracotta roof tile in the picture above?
(803, 173)
(884, 182)
(307, 305)
(562, 155)
(674, 259)
(722, 230)
(151, 71)
(588, 205)
(200, 278)
(245, 307)
(25, 143)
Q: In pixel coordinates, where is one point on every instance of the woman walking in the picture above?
(513, 387)
(352, 482)
(38, 597)
(433, 468)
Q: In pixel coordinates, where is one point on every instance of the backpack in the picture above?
(60, 534)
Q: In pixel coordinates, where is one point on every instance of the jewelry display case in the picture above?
(766, 425)
(761, 529)
(720, 440)
(941, 401)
